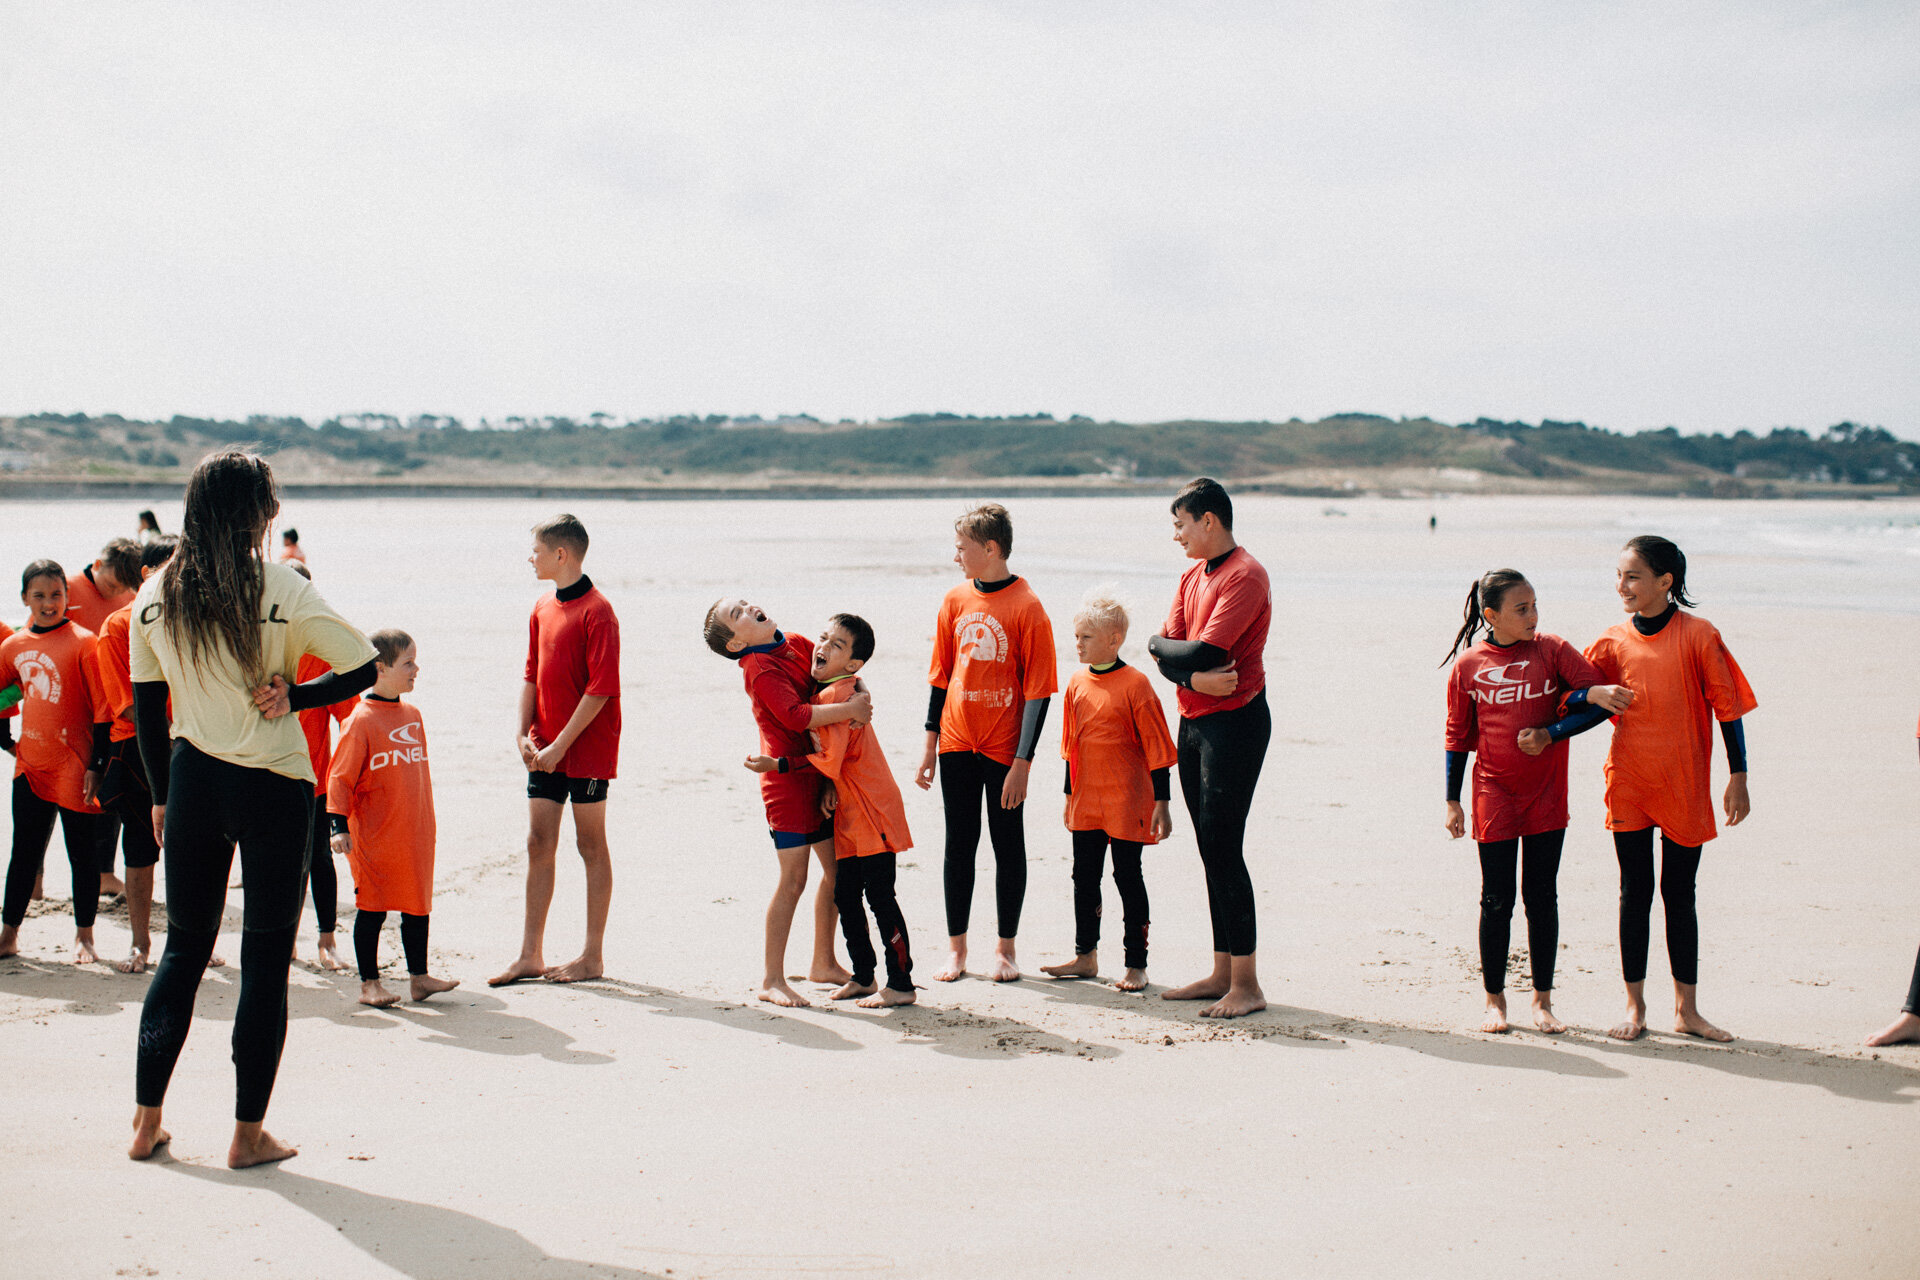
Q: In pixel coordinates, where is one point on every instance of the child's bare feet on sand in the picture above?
(1902, 1029)
(1494, 1021)
(956, 966)
(829, 974)
(216, 961)
(1636, 1024)
(1237, 1003)
(1543, 1019)
(9, 941)
(376, 996)
(1688, 1022)
(778, 992)
(136, 961)
(83, 952)
(1003, 967)
(886, 998)
(1205, 989)
(423, 985)
(253, 1145)
(328, 956)
(148, 1136)
(1084, 965)
(520, 971)
(111, 885)
(1136, 980)
(852, 989)
(580, 969)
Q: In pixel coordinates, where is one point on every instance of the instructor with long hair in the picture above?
(220, 629)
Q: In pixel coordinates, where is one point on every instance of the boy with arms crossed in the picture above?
(569, 740)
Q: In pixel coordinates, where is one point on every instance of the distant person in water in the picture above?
(1907, 1026)
(290, 552)
(149, 528)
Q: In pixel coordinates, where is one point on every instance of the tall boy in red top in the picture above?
(1212, 647)
(992, 675)
(569, 740)
(778, 671)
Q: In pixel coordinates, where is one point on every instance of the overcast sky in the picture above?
(1634, 215)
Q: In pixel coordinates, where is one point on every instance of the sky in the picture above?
(1632, 215)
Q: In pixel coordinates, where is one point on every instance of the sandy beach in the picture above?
(662, 1123)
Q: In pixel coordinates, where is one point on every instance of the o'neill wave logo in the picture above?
(979, 637)
(1508, 683)
(1509, 674)
(38, 675)
(407, 735)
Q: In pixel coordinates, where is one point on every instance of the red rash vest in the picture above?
(573, 652)
(1494, 693)
(779, 680)
(1230, 608)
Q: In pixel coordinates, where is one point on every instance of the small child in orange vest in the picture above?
(1113, 734)
(869, 820)
(380, 806)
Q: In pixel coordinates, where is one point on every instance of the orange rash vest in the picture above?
(993, 654)
(61, 702)
(1113, 735)
(870, 817)
(381, 784)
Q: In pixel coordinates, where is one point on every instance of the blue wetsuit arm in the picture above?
(1578, 719)
(1456, 774)
(1734, 734)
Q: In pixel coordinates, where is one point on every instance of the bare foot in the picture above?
(783, 995)
(9, 946)
(1136, 980)
(1237, 1003)
(887, 997)
(1634, 1027)
(1084, 965)
(1543, 1019)
(954, 969)
(424, 985)
(216, 961)
(376, 996)
(259, 1147)
(829, 973)
(111, 885)
(519, 971)
(852, 989)
(136, 961)
(1688, 1022)
(579, 969)
(1002, 968)
(148, 1136)
(1494, 1022)
(327, 956)
(83, 952)
(1205, 989)
(1902, 1029)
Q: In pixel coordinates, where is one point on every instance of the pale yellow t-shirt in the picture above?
(213, 705)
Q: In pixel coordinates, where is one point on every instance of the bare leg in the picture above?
(1084, 965)
(954, 969)
(1543, 1019)
(887, 997)
(83, 952)
(140, 917)
(1211, 987)
(148, 1136)
(375, 995)
(111, 884)
(1004, 968)
(1135, 980)
(786, 897)
(253, 1145)
(1495, 1020)
(543, 842)
(826, 966)
(590, 833)
(1243, 992)
(1902, 1029)
(1636, 1024)
(1686, 1015)
(9, 940)
(425, 984)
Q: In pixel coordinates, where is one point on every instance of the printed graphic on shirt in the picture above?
(38, 675)
(979, 637)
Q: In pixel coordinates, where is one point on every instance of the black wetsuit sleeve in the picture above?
(154, 734)
(1179, 659)
(1734, 734)
(1162, 785)
(936, 704)
(1032, 716)
(1578, 720)
(6, 734)
(336, 824)
(779, 764)
(1456, 774)
(102, 747)
(335, 686)
(1069, 772)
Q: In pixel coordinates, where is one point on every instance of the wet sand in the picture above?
(663, 1122)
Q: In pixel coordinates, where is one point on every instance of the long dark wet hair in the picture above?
(210, 590)
(1663, 557)
(1487, 592)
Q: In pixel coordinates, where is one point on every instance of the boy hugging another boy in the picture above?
(777, 670)
(869, 819)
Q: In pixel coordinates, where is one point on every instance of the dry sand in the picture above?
(663, 1123)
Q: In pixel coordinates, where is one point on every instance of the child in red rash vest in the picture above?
(777, 671)
(62, 747)
(1504, 704)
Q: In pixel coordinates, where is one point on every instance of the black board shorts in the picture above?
(560, 788)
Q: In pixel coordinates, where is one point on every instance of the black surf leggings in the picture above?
(1089, 870)
(321, 876)
(873, 878)
(212, 805)
(33, 820)
(366, 942)
(1539, 859)
(1220, 759)
(967, 778)
(1679, 864)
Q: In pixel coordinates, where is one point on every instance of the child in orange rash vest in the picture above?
(1113, 736)
(380, 805)
(869, 819)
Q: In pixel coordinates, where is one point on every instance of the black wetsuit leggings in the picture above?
(33, 820)
(966, 778)
(321, 876)
(1220, 759)
(366, 942)
(872, 876)
(1539, 859)
(212, 805)
(1679, 864)
(1089, 870)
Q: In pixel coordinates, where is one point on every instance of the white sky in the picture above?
(1634, 215)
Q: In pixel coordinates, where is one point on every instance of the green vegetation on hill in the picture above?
(955, 446)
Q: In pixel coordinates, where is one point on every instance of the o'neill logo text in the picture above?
(1508, 683)
(408, 749)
